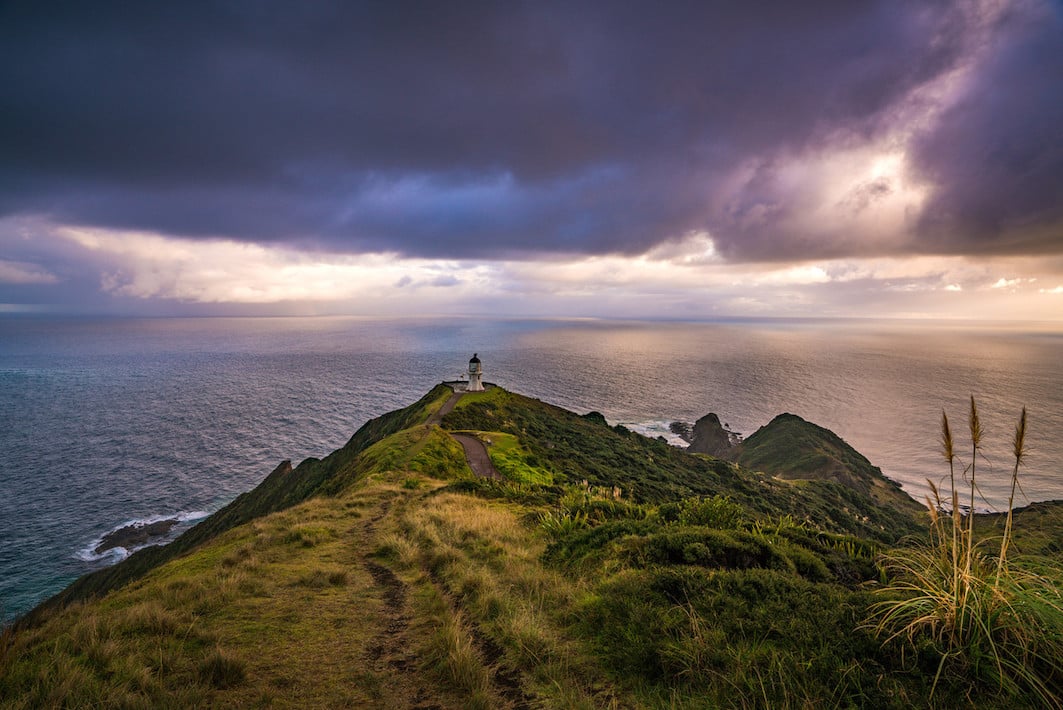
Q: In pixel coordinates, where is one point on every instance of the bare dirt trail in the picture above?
(390, 655)
(475, 451)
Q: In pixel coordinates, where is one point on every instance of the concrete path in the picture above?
(444, 410)
(475, 451)
(476, 455)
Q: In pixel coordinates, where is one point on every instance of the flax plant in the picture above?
(998, 621)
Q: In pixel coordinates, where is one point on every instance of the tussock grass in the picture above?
(321, 578)
(451, 652)
(309, 535)
(221, 669)
(148, 617)
(398, 548)
(980, 613)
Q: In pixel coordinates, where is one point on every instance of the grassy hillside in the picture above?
(574, 449)
(281, 489)
(608, 570)
(794, 449)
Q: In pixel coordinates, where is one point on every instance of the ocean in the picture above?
(105, 422)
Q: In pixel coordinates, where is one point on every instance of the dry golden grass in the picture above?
(488, 562)
(278, 613)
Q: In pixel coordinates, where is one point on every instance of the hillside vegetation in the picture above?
(793, 449)
(607, 570)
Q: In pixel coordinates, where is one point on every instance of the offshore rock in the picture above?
(710, 437)
(136, 535)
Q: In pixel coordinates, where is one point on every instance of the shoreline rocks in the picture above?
(135, 535)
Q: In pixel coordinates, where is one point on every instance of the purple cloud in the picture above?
(486, 129)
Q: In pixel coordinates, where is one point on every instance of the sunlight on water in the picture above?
(105, 421)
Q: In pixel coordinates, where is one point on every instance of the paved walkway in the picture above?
(444, 410)
(476, 455)
(475, 451)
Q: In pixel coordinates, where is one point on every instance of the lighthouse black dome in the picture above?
(474, 359)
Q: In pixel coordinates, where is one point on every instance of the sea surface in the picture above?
(105, 422)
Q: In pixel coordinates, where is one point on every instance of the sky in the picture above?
(573, 159)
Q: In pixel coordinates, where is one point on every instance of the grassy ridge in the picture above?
(574, 448)
(647, 578)
(793, 448)
(281, 489)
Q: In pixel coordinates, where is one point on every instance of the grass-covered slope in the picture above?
(281, 489)
(607, 570)
(792, 448)
(576, 448)
(286, 610)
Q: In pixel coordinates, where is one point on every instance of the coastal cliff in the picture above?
(603, 569)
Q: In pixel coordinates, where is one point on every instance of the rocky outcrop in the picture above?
(136, 535)
(710, 437)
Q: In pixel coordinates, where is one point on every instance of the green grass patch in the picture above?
(514, 461)
(495, 396)
(309, 535)
(438, 456)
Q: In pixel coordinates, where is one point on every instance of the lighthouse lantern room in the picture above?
(475, 375)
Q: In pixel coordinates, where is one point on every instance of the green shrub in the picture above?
(577, 546)
(742, 638)
(717, 512)
(559, 523)
(707, 547)
(807, 563)
(599, 510)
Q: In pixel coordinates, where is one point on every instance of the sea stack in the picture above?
(475, 375)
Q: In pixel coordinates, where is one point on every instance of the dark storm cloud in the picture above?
(996, 156)
(437, 128)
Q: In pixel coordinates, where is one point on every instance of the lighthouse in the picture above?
(475, 373)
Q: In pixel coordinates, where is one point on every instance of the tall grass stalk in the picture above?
(1018, 449)
(975, 427)
(998, 621)
(949, 450)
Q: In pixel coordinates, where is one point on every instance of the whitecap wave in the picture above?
(111, 556)
(655, 428)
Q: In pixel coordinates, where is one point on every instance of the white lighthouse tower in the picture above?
(476, 371)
